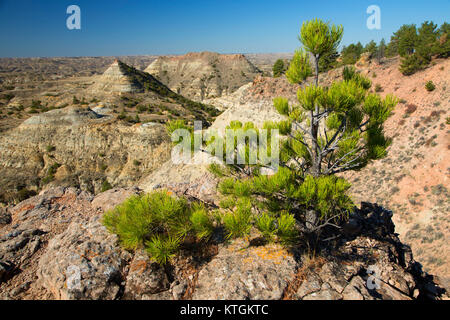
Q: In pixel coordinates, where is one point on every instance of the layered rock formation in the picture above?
(121, 78)
(78, 147)
(204, 75)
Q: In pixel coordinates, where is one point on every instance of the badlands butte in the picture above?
(80, 135)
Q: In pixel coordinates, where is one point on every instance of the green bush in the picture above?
(430, 86)
(51, 173)
(278, 68)
(378, 88)
(159, 222)
(106, 186)
(412, 63)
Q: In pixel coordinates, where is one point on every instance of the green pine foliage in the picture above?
(202, 225)
(299, 68)
(371, 48)
(266, 225)
(162, 248)
(238, 223)
(350, 54)
(159, 222)
(278, 68)
(417, 46)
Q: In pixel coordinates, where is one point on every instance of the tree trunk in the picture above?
(315, 126)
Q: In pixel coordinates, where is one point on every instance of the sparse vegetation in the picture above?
(430, 86)
(378, 88)
(50, 173)
(106, 186)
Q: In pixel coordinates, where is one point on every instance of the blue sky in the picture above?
(31, 28)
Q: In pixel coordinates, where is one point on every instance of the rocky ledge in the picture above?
(53, 246)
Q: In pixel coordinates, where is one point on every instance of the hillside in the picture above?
(413, 180)
(110, 135)
(204, 75)
(121, 89)
(68, 153)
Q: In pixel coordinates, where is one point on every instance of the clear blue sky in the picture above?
(30, 28)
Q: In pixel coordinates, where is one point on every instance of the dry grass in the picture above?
(311, 262)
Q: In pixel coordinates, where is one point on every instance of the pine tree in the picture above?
(351, 53)
(329, 61)
(444, 41)
(407, 39)
(381, 51)
(331, 130)
(278, 68)
(371, 48)
(344, 131)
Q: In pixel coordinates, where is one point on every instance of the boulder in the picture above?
(83, 262)
(146, 280)
(111, 198)
(240, 273)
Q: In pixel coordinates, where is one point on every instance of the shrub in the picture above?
(51, 173)
(429, 86)
(106, 186)
(201, 222)
(411, 64)
(50, 148)
(75, 100)
(378, 88)
(122, 115)
(278, 68)
(141, 108)
(158, 221)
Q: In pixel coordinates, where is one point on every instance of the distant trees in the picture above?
(417, 46)
(381, 51)
(444, 41)
(351, 53)
(329, 61)
(371, 48)
(278, 68)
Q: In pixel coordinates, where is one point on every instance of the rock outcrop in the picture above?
(121, 78)
(78, 147)
(204, 75)
(56, 248)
